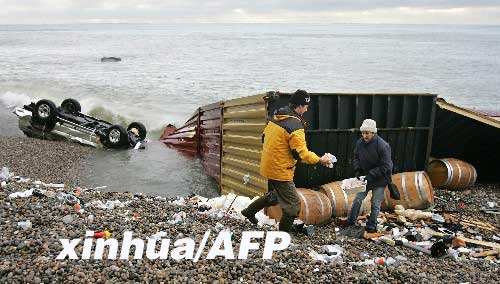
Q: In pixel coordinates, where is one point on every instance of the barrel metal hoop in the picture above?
(421, 187)
(475, 175)
(405, 192)
(306, 205)
(321, 203)
(346, 206)
(333, 197)
(469, 169)
(450, 171)
(459, 172)
(329, 206)
(417, 186)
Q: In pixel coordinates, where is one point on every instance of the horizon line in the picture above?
(250, 23)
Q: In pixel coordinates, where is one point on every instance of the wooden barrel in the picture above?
(415, 189)
(315, 208)
(342, 201)
(452, 173)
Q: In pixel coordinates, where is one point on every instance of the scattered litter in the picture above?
(68, 219)
(159, 235)
(26, 193)
(438, 218)
(366, 262)
(390, 262)
(25, 225)
(54, 185)
(413, 214)
(439, 249)
(161, 198)
(177, 218)
(334, 258)
(353, 185)
(109, 205)
(492, 204)
(99, 235)
(463, 250)
(401, 258)
(219, 226)
(332, 250)
(364, 255)
(4, 174)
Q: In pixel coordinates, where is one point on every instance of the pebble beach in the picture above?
(29, 255)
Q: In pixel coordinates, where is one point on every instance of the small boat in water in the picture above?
(110, 59)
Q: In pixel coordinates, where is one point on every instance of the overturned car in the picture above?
(45, 120)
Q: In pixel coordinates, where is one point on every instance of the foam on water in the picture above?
(12, 99)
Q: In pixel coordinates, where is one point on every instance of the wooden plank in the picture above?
(481, 243)
(372, 235)
(486, 253)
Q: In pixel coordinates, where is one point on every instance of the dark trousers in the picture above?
(377, 198)
(283, 193)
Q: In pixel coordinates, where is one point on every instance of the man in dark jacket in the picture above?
(372, 157)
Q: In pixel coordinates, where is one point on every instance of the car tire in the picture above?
(116, 137)
(71, 106)
(44, 115)
(28, 134)
(140, 127)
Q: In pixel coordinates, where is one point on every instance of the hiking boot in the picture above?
(286, 223)
(347, 225)
(253, 208)
(249, 215)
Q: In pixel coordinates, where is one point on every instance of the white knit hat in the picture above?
(369, 125)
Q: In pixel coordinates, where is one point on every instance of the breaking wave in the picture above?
(12, 99)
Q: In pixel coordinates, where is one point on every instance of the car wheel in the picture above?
(140, 128)
(71, 106)
(44, 115)
(116, 137)
(28, 134)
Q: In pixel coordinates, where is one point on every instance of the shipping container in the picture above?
(200, 135)
(405, 121)
(244, 120)
(210, 131)
(185, 138)
(468, 135)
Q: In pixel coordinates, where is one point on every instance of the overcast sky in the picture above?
(248, 11)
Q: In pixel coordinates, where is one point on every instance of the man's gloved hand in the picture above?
(369, 178)
(325, 160)
(357, 174)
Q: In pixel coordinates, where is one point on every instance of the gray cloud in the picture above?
(68, 11)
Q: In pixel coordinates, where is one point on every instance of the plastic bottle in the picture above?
(390, 261)
(364, 255)
(379, 260)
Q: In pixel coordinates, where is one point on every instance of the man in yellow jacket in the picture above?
(284, 145)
